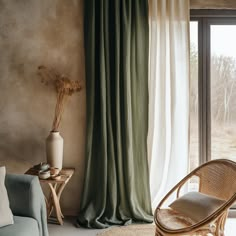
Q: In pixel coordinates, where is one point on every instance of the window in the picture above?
(212, 86)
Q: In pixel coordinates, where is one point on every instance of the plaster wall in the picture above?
(33, 33)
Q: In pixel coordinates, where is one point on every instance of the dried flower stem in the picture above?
(61, 101)
(64, 87)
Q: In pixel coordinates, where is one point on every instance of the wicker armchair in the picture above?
(217, 179)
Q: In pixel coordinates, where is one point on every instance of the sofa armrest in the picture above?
(26, 199)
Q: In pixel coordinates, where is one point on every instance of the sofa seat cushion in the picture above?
(23, 226)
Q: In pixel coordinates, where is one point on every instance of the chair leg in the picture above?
(224, 220)
(220, 225)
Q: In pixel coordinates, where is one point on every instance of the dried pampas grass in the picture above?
(64, 88)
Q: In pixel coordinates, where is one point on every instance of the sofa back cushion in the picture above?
(6, 216)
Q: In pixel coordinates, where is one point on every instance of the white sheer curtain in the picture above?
(168, 137)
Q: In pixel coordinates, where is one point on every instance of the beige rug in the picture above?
(130, 230)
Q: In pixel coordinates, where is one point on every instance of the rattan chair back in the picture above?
(218, 178)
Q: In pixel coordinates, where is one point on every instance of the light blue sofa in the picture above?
(28, 207)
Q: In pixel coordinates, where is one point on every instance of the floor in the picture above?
(68, 229)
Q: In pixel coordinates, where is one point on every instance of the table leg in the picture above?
(56, 203)
(59, 192)
(59, 189)
(50, 200)
(47, 206)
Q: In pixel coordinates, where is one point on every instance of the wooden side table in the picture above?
(56, 188)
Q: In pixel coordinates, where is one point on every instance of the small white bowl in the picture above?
(44, 174)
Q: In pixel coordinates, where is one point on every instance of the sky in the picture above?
(223, 38)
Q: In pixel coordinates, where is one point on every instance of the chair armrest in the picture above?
(26, 199)
(177, 187)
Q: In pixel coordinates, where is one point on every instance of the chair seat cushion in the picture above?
(23, 226)
(173, 220)
(196, 206)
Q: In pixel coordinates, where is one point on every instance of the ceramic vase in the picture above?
(54, 149)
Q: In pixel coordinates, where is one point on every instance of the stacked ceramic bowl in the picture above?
(55, 173)
(44, 174)
(43, 170)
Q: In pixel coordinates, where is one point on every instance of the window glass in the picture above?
(223, 91)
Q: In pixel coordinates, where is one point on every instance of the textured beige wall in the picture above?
(213, 4)
(34, 32)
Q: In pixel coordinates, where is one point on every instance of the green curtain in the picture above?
(116, 185)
